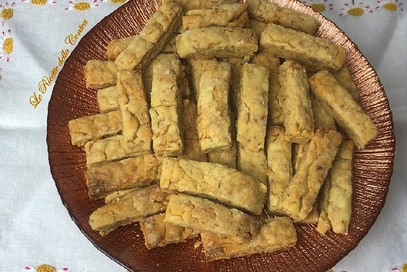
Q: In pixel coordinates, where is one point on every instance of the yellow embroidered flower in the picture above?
(390, 5)
(45, 268)
(6, 45)
(404, 268)
(6, 12)
(118, 1)
(81, 5)
(319, 5)
(355, 10)
(40, 2)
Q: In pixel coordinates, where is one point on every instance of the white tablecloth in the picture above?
(35, 227)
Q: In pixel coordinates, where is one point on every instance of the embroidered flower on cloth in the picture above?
(6, 12)
(117, 1)
(6, 45)
(114, 1)
(355, 9)
(390, 5)
(319, 5)
(45, 268)
(81, 5)
(40, 2)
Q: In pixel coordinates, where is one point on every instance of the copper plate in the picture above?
(314, 252)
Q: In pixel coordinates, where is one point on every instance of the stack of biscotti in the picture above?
(230, 122)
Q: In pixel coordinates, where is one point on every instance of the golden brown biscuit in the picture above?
(132, 207)
(347, 113)
(232, 15)
(123, 174)
(137, 134)
(155, 35)
(219, 42)
(251, 121)
(87, 128)
(313, 52)
(275, 234)
(302, 191)
(271, 13)
(100, 74)
(280, 170)
(166, 105)
(158, 233)
(214, 181)
(204, 215)
(213, 119)
(295, 102)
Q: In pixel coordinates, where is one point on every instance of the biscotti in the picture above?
(137, 134)
(219, 42)
(214, 181)
(87, 128)
(296, 102)
(275, 234)
(302, 191)
(205, 215)
(344, 109)
(158, 233)
(313, 52)
(271, 13)
(123, 174)
(132, 207)
(213, 119)
(100, 74)
(152, 39)
(231, 15)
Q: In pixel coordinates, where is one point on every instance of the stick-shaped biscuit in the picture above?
(220, 42)
(158, 233)
(339, 207)
(275, 234)
(166, 106)
(347, 113)
(199, 4)
(279, 153)
(302, 191)
(87, 128)
(132, 207)
(123, 174)
(214, 181)
(271, 13)
(152, 39)
(205, 215)
(232, 15)
(137, 134)
(100, 74)
(251, 121)
(313, 52)
(272, 63)
(213, 119)
(296, 103)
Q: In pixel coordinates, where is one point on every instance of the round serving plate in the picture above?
(314, 252)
